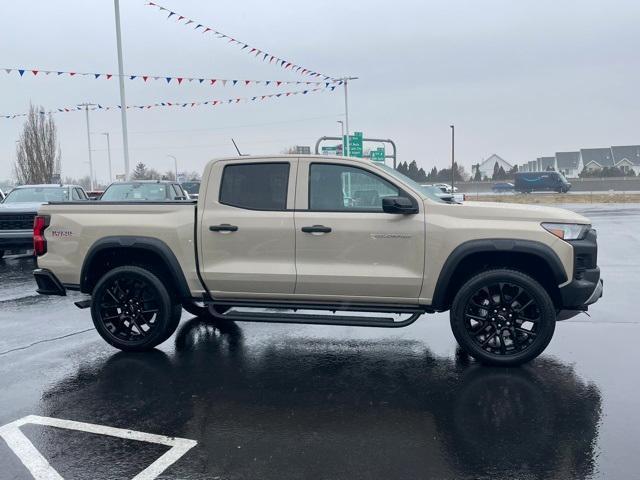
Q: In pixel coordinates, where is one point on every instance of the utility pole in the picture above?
(345, 81)
(175, 164)
(453, 156)
(109, 156)
(123, 102)
(86, 111)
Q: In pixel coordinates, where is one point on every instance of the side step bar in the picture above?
(315, 319)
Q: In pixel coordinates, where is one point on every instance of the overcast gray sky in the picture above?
(519, 78)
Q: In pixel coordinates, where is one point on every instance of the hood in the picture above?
(19, 207)
(516, 211)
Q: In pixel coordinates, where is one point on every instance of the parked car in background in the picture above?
(144, 191)
(95, 194)
(527, 182)
(20, 206)
(192, 188)
(444, 195)
(446, 187)
(502, 187)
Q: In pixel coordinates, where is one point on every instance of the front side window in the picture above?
(255, 186)
(345, 188)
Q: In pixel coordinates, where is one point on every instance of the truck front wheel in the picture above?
(133, 310)
(503, 317)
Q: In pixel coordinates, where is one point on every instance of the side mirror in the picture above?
(401, 205)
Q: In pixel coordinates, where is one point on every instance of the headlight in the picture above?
(567, 231)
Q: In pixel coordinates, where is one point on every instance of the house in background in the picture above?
(595, 159)
(569, 163)
(486, 166)
(546, 163)
(627, 158)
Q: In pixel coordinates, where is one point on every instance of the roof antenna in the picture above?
(237, 149)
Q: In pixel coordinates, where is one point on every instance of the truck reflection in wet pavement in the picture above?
(325, 408)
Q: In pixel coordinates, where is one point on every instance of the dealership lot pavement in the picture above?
(282, 401)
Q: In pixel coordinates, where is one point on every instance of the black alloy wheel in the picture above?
(133, 310)
(503, 317)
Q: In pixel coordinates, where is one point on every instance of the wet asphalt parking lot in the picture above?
(292, 401)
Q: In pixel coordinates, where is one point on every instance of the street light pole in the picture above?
(175, 164)
(453, 157)
(123, 102)
(341, 131)
(109, 156)
(345, 81)
(86, 111)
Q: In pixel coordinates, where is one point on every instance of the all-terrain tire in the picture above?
(503, 317)
(133, 310)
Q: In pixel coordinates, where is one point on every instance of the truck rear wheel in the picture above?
(133, 310)
(503, 317)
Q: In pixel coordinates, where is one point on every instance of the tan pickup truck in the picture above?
(299, 238)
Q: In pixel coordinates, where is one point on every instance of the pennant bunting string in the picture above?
(174, 80)
(256, 52)
(211, 103)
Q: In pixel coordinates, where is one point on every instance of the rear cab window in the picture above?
(255, 186)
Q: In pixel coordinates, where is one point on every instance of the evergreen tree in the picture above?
(501, 174)
(402, 168)
(496, 170)
(422, 176)
(140, 172)
(413, 170)
(478, 176)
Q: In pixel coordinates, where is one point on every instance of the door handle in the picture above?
(224, 227)
(316, 229)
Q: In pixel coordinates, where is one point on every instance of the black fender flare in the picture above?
(464, 250)
(125, 242)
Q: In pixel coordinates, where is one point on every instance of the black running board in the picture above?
(314, 319)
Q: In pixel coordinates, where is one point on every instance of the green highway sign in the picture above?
(377, 155)
(355, 144)
(332, 150)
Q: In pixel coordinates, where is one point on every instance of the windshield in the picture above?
(38, 195)
(192, 188)
(141, 192)
(429, 191)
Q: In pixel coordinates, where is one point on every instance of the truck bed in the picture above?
(75, 227)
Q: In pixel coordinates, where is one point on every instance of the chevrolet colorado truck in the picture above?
(295, 238)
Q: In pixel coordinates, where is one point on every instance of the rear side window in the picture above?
(255, 186)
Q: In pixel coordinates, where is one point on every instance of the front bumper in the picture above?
(48, 283)
(586, 286)
(16, 239)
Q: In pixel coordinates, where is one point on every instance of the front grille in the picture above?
(17, 221)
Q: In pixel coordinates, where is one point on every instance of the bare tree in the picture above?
(37, 152)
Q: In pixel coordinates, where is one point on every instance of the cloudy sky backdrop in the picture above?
(522, 79)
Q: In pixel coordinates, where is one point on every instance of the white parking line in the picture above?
(42, 470)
